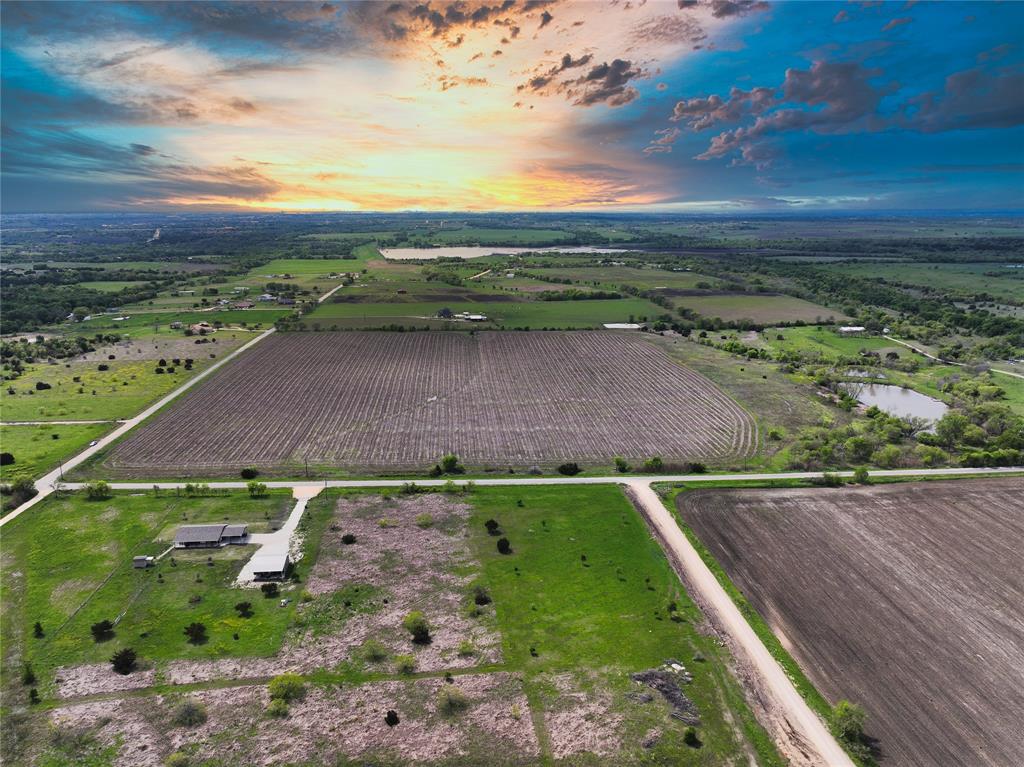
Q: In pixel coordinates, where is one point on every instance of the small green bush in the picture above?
(452, 700)
(416, 624)
(287, 687)
(277, 708)
(189, 713)
(405, 664)
(424, 520)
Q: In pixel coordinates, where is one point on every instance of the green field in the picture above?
(952, 279)
(145, 321)
(646, 279)
(586, 592)
(37, 449)
(533, 314)
(74, 557)
(758, 308)
(825, 341)
(113, 286)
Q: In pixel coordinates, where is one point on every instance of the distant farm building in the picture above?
(851, 330)
(270, 567)
(202, 328)
(210, 536)
(286, 301)
(244, 305)
(624, 326)
(141, 563)
(445, 314)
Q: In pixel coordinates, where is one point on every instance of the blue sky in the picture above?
(705, 105)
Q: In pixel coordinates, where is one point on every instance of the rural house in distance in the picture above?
(210, 536)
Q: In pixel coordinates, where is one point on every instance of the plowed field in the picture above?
(908, 599)
(394, 400)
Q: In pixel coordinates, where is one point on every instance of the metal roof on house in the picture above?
(234, 531)
(269, 563)
(199, 533)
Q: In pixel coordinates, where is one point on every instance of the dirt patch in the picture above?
(74, 681)
(579, 722)
(120, 720)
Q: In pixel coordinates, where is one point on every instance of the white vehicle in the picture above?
(93, 443)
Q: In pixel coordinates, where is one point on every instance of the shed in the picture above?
(141, 563)
(269, 567)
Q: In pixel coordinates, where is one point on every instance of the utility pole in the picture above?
(306, 460)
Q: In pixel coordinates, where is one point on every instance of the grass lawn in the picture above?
(36, 449)
(586, 592)
(143, 320)
(758, 308)
(827, 342)
(67, 564)
(533, 314)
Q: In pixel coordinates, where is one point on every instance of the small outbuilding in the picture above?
(270, 567)
(141, 563)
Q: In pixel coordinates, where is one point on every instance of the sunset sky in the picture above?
(712, 105)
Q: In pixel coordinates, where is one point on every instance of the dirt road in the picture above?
(947, 362)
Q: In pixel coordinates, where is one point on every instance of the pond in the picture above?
(895, 400)
(407, 254)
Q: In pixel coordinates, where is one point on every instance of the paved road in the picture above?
(796, 727)
(947, 362)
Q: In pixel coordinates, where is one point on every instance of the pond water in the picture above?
(895, 400)
(406, 254)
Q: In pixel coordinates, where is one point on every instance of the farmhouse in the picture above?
(210, 536)
(269, 567)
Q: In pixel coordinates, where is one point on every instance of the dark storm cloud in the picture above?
(722, 9)
(606, 83)
(973, 98)
(545, 19)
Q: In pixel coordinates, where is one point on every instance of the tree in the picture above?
(450, 464)
(80, 313)
(888, 456)
(493, 528)
(196, 632)
(621, 465)
(124, 660)
(6, 459)
(504, 547)
(102, 631)
(244, 609)
(416, 624)
(690, 737)
(480, 596)
(848, 725)
(256, 489)
(97, 491)
(654, 464)
(569, 469)
(28, 675)
(860, 476)
(250, 473)
(37, 630)
(287, 687)
(391, 717)
(951, 427)
(269, 590)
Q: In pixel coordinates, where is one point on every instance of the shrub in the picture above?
(452, 700)
(348, 539)
(28, 676)
(37, 630)
(124, 660)
(466, 649)
(450, 464)
(196, 632)
(620, 465)
(33, 696)
(277, 708)
(189, 713)
(287, 687)
(848, 726)
(391, 718)
(249, 473)
(244, 609)
(6, 459)
(103, 368)
(424, 520)
(416, 624)
(374, 651)
(480, 596)
(387, 522)
(178, 759)
(690, 738)
(695, 467)
(270, 590)
(42, 386)
(102, 631)
(97, 491)
(405, 664)
(569, 469)
(861, 476)
(493, 528)
(504, 547)
(256, 489)
(654, 464)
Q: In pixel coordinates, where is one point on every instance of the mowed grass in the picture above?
(68, 564)
(825, 341)
(586, 592)
(37, 449)
(532, 314)
(758, 307)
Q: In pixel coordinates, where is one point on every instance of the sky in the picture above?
(687, 105)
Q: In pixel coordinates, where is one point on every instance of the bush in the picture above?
(196, 632)
(391, 718)
(690, 738)
(416, 624)
(277, 708)
(386, 523)
(569, 469)
(450, 464)
(452, 700)
(37, 630)
(189, 713)
(620, 465)
(249, 473)
(373, 651)
(103, 368)
(270, 590)
(6, 459)
(348, 539)
(480, 596)
(102, 631)
(424, 520)
(97, 491)
(287, 687)
(654, 464)
(504, 547)
(861, 476)
(178, 759)
(256, 489)
(244, 609)
(405, 664)
(42, 386)
(695, 467)
(28, 676)
(124, 660)
(466, 649)
(493, 528)
(848, 726)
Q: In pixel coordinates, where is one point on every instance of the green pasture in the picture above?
(38, 448)
(758, 307)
